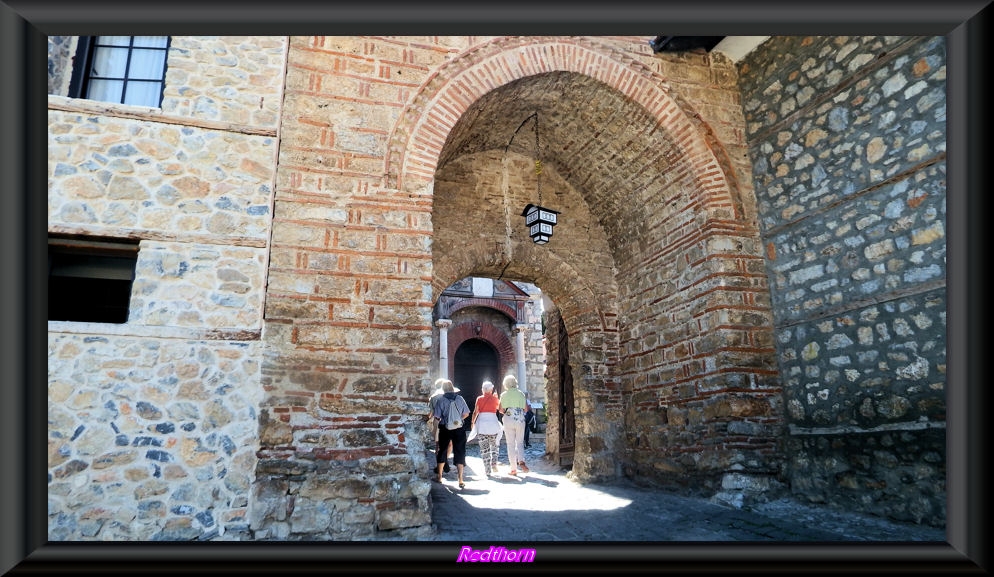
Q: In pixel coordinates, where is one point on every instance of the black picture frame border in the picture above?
(23, 486)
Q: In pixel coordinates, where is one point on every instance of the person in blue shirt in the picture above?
(433, 422)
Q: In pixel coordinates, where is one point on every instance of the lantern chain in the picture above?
(538, 163)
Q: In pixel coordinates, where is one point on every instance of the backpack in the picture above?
(453, 419)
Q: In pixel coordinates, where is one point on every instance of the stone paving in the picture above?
(546, 505)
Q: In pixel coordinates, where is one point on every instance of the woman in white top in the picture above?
(488, 427)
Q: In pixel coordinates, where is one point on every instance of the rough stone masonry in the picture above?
(750, 269)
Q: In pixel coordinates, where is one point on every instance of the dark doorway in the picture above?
(567, 421)
(476, 361)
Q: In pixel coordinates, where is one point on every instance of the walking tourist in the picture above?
(451, 429)
(433, 422)
(512, 405)
(488, 428)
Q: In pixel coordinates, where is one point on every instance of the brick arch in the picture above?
(486, 303)
(463, 331)
(698, 163)
(557, 278)
(420, 134)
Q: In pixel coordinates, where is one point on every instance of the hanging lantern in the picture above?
(539, 221)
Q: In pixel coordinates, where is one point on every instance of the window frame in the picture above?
(91, 256)
(86, 50)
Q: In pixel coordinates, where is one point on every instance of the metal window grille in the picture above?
(120, 69)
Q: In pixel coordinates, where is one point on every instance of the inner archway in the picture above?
(475, 361)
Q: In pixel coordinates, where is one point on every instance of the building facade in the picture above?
(745, 288)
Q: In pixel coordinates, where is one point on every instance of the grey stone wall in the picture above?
(149, 438)
(61, 50)
(553, 427)
(847, 141)
(121, 175)
(154, 423)
(234, 79)
(534, 344)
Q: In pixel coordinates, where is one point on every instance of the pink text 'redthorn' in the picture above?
(495, 555)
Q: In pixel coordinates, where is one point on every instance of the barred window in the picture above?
(121, 69)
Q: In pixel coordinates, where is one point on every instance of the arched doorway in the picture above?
(653, 249)
(475, 361)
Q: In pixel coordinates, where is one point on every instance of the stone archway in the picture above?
(656, 270)
(654, 263)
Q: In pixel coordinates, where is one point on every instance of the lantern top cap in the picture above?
(529, 207)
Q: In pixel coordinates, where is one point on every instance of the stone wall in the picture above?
(60, 53)
(153, 424)
(150, 438)
(201, 286)
(534, 344)
(116, 176)
(230, 79)
(847, 139)
(554, 400)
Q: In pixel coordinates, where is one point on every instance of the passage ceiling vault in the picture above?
(606, 146)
